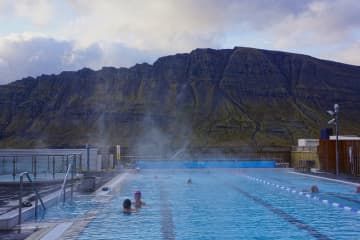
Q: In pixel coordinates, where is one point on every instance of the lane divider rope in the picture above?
(307, 195)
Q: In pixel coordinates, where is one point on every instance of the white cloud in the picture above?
(323, 22)
(180, 26)
(40, 12)
(349, 54)
(170, 25)
(36, 12)
(82, 33)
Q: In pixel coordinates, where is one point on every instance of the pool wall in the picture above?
(206, 164)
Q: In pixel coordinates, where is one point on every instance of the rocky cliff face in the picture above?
(216, 98)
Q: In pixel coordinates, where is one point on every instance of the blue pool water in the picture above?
(220, 204)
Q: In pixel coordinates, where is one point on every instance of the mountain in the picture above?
(207, 98)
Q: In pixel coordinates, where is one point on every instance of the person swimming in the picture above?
(314, 189)
(138, 203)
(189, 181)
(127, 206)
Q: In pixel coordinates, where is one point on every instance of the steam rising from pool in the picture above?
(157, 142)
(181, 150)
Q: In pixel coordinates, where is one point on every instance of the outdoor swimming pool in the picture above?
(221, 204)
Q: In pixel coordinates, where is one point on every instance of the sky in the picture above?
(50, 36)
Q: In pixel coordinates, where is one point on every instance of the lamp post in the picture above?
(335, 121)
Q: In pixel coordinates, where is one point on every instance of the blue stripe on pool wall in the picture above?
(206, 164)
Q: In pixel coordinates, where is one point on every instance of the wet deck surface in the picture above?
(347, 178)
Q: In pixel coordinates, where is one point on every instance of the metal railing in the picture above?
(36, 164)
(21, 195)
(71, 166)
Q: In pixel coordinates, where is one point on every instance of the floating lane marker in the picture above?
(347, 208)
(310, 196)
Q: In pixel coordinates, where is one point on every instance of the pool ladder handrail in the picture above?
(63, 187)
(34, 188)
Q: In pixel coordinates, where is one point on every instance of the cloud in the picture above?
(81, 33)
(349, 54)
(146, 25)
(35, 54)
(38, 11)
(179, 26)
(322, 22)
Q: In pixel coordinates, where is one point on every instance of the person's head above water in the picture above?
(127, 204)
(314, 189)
(137, 195)
(138, 202)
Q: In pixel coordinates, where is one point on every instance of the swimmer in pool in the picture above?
(127, 207)
(138, 203)
(314, 189)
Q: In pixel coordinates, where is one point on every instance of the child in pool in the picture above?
(138, 202)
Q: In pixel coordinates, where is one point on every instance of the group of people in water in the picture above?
(138, 203)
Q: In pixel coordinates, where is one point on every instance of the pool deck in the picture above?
(350, 180)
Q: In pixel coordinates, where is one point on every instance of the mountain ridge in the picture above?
(208, 97)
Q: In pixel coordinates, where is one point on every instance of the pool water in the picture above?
(220, 204)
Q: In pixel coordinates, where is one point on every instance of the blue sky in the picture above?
(49, 36)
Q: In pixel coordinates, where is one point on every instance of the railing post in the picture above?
(32, 164)
(20, 198)
(14, 168)
(35, 166)
(67, 162)
(64, 192)
(48, 165)
(53, 167)
(80, 163)
(72, 175)
(87, 157)
(36, 207)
